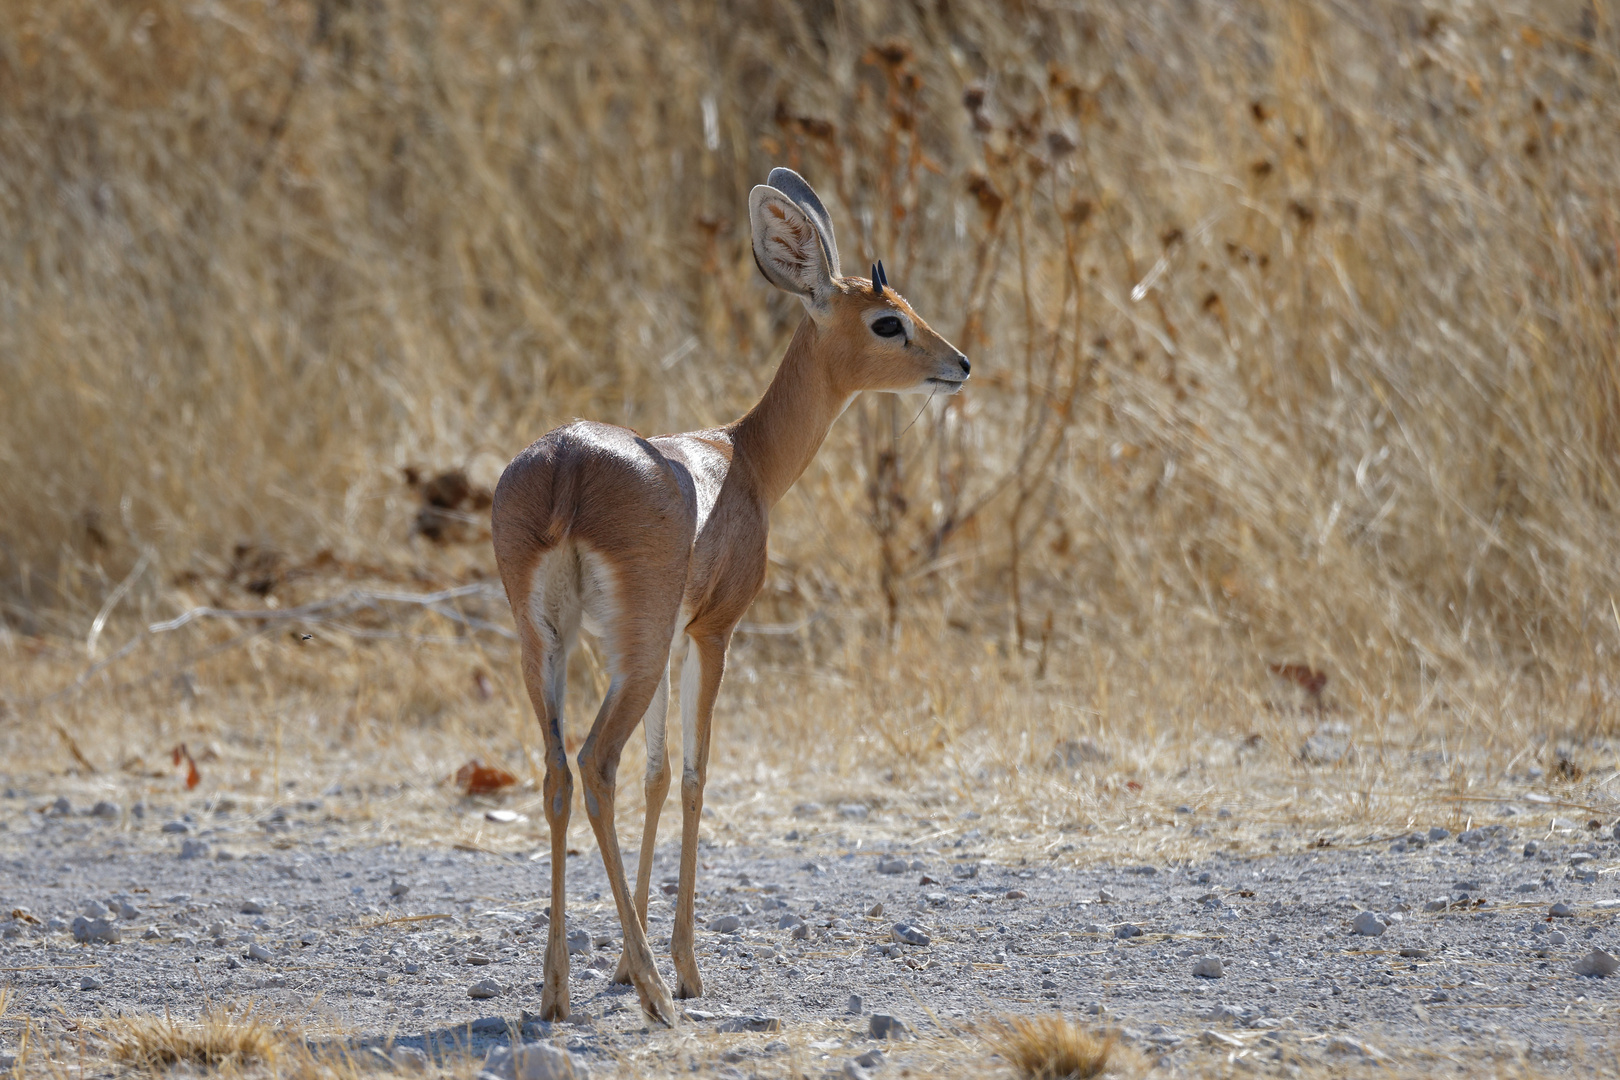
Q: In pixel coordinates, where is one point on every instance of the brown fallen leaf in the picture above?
(193, 777)
(476, 778)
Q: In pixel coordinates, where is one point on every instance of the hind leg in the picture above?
(545, 665)
(656, 788)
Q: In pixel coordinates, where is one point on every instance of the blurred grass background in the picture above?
(1293, 328)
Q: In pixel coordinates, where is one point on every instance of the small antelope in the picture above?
(644, 541)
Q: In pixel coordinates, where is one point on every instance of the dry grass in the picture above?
(1051, 1048)
(219, 1038)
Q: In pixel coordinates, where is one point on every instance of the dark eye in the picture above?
(888, 326)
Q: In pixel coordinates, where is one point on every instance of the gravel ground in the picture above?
(1465, 947)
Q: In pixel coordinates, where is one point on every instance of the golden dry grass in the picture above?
(219, 1038)
(1051, 1048)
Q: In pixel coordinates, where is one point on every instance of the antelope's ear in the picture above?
(788, 249)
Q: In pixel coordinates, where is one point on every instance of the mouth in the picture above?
(950, 386)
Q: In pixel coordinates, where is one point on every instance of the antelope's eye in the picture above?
(888, 326)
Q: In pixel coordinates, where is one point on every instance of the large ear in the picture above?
(786, 246)
(794, 187)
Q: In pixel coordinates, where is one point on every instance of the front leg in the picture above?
(700, 685)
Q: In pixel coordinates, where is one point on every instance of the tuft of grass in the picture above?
(217, 1038)
(1050, 1047)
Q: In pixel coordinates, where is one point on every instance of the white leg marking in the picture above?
(691, 676)
(653, 726)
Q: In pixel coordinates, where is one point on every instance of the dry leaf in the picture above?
(193, 777)
(476, 778)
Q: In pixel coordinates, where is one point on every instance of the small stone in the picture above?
(408, 1059)
(801, 931)
(853, 1071)
(1368, 925)
(1207, 967)
(1597, 963)
(398, 888)
(871, 1059)
(255, 907)
(1340, 1044)
(875, 911)
(726, 924)
(61, 807)
(126, 910)
(1555, 937)
(478, 959)
(698, 1016)
(888, 864)
(176, 827)
(89, 982)
(1017, 894)
(1439, 903)
(152, 933)
(910, 934)
(853, 1005)
(1106, 897)
(1127, 930)
(807, 809)
(1216, 1038)
(579, 941)
(258, 952)
(95, 909)
(484, 989)
(104, 809)
(853, 811)
(1531, 847)
(1324, 750)
(88, 929)
(885, 1026)
(194, 849)
(757, 1022)
(534, 1061)
(1436, 833)
(1561, 910)
(488, 1025)
(787, 920)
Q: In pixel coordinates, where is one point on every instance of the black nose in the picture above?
(967, 368)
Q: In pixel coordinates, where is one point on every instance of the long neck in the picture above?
(778, 438)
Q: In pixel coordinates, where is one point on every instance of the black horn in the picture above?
(882, 274)
(877, 279)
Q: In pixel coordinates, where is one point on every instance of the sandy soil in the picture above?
(381, 944)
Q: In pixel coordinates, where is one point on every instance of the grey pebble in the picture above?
(255, 907)
(484, 989)
(1438, 833)
(488, 1025)
(579, 941)
(725, 924)
(534, 1061)
(1597, 963)
(853, 811)
(258, 952)
(1127, 930)
(1368, 925)
(89, 982)
(887, 864)
(871, 1059)
(757, 1022)
(1561, 910)
(87, 929)
(1207, 967)
(176, 827)
(910, 934)
(194, 849)
(886, 1026)
(104, 809)
(853, 1006)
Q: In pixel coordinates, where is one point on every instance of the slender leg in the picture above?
(627, 702)
(656, 787)
(700, 685)
(545, 672)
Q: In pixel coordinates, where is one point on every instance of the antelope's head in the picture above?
(868, 335)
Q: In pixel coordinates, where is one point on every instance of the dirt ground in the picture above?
(290, 908)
